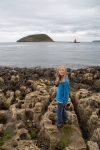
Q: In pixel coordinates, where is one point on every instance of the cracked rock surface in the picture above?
(28, 110)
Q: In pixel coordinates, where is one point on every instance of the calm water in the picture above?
(50, 54)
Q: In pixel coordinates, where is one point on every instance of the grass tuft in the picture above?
(5, 137)
(32, 133)
(67, 132)
(73, 93)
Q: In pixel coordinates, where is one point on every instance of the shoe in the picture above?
(59, 126)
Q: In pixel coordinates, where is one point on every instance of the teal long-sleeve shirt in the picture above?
(63, 90)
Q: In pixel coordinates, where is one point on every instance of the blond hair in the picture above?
(58, 77)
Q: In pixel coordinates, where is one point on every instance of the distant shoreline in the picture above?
(96, 41)
(42, 68)
(73, 42)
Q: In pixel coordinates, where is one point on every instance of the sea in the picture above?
(49, 54)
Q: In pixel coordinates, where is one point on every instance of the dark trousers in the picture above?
(61, 114)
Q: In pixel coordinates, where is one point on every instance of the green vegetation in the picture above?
(73, 93)
(41, 37)
(67, 132)
(36, 38)
(5, 137)
(32, 133)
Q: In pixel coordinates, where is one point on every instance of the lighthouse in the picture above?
(75, 41)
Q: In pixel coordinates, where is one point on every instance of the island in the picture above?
(36, 38)
(96, 41)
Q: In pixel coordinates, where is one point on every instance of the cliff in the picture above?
(36, 38)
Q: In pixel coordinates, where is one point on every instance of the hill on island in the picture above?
(36, 38)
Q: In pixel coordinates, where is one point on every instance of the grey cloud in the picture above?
(23, 17)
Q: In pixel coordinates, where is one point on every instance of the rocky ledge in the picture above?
(28, 110)
(36, 38)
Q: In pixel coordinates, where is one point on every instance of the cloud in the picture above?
(60, 19)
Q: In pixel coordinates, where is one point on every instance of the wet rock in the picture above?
(96, 85)
(2, 100)
(10, 98)
(47, 73)
(3, 117)
(1, 129)
(35, 77)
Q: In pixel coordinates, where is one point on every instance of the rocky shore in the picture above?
(28, 110)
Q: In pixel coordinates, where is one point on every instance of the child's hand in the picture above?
(64, 105)
(56, 82)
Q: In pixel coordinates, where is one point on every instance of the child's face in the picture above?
(62, 71)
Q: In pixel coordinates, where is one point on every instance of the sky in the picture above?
(62, 20)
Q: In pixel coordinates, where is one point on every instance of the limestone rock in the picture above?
(15, 78)
(88, 76)
(1, 129)
(1, 80)
(17, 93)
(96, 136)
(37, 101)
(96, 85)
(51, 136)
(2, 100)
(35, 107)
(92, 145)
(9, 101)
(3, 117)
(52, 92)
(26, 145)
(22, 134)
(21, 145)
(18, 114)
(88, 108)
